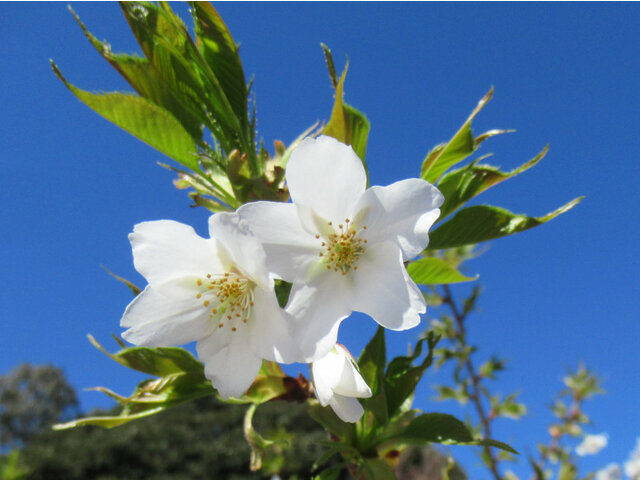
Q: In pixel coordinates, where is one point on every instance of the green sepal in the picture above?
(480, 223)
(435, 271)
(460, 186)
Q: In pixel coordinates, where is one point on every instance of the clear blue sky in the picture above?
(565, 74)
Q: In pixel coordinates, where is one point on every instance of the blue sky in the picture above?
(564, 74)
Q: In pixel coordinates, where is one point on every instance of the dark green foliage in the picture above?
(202, 439)
(33, 398)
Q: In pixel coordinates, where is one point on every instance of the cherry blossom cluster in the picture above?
(343, 248)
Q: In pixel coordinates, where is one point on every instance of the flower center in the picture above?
(228, 297)
(342, 248)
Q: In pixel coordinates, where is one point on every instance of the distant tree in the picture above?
(426, 463)
(33, 398)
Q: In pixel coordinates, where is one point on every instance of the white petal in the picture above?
(322, 378)
(231, 368)
(351, 383)
(165, 249)
(402, 212)
(327, 176)
(290, 249)
(156, 319)
(336, 371)
(383, 289)
(238, 241)
(271, 330)
(318, 308)
(347, 408)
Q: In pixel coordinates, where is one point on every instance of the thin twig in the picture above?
(474, 394)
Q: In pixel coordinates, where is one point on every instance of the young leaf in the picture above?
(218, 49)
(460, 186)
(435, 271)
(483, 222)
(346, 124)
(444, 156)
(142, 118)
(146, 81)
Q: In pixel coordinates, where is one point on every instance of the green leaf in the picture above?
(326, 417)
(460, 186)
(283, 289)
(401, 377)
(146, 81)
(444, 156)
(445, 429)
(377, 469)
(166, 43)
(346, 124)
(371, 364)
(158, 361)
(435, 271)
(219, 50)
(142, 118)
(484, 222)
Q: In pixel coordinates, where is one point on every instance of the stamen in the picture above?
(342, 248)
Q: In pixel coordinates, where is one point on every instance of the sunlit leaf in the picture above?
(435, 271)
(346, 124)
(461, 145)
(460, 186)
(483, 222)
(142, 118)
(372, 362)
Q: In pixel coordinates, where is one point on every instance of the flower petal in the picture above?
(271, 330)
(290, 249)
(243, 247)
(327, 176)
(347, 408)
(231, 368)
(383, 290)
(318, 308)
(165, 249)
(157, 319)
(402, 212)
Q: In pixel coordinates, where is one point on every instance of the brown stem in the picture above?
(474, 394)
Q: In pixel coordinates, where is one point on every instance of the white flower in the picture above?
(592, 444)
(215, 291)
(610, 472)
(338, 383)
(342, 245)
(632, 466)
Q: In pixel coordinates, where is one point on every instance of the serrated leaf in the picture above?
(219, 50)
(158, 361)
(460, 186)
(346, 124)
(166, 43)
(484, 222)
(326, 417)
(146, 81)
(461, 145)
(435, 271)
(143, 119)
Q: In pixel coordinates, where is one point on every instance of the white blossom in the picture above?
(215, 291)
(610, 472)
(338, 383)
(592, 444)
(632, 466)
(343, 246)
